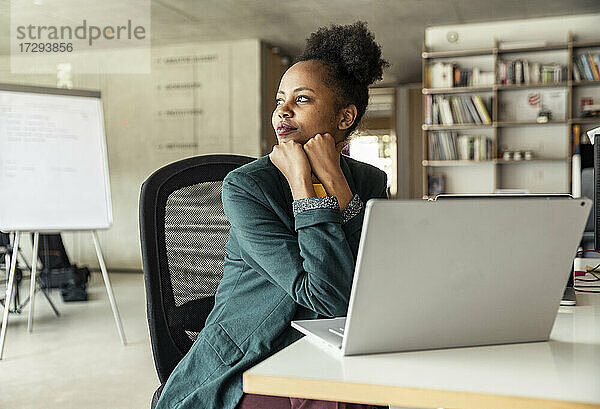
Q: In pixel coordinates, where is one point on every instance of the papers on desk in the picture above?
(587, 274)
(588, 282)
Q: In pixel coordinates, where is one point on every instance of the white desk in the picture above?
(562, 373)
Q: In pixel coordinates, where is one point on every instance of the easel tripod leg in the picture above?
(109, 291)
(32, 286)
(9, 291)
(45, 293)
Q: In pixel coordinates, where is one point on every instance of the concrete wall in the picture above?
(481, 35)
(199, 99)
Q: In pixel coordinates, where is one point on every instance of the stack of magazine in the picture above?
(590, 282)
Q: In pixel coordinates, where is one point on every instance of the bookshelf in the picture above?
(513, 107)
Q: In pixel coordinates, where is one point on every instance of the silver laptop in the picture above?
(569, 297)
(455, 273)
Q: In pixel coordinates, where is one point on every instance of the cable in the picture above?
(593, 269)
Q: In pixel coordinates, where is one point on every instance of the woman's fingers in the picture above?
(323, 156)
(320, 140)
(290, 159)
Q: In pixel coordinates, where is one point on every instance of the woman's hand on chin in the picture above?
(324, 156)
(291, 160)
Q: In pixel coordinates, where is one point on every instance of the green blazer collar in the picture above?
(347, 173)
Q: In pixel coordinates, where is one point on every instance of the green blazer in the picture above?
(278, 268)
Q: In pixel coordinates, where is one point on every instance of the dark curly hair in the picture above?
(352, 60)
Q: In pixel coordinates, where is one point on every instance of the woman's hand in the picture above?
(291, 160)
(324, 157)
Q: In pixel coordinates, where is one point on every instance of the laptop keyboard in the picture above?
(337, 331)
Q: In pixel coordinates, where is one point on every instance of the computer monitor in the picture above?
(583, 186)
(592, 134)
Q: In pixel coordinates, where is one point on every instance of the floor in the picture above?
(77, 361)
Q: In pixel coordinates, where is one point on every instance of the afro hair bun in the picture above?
(351, 49)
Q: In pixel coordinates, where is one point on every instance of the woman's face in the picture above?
(305, 105)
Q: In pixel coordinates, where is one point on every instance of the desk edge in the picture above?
(394, 395)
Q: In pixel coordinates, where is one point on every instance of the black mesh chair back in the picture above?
(183, 234)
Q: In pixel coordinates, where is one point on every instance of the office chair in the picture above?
(183, 232)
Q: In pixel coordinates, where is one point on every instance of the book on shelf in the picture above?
(449, 75)
(445, 111)
(428, 109)
(456, 110)
(452, 146)
(472, 77)
(523, 72)
(481, 109)
(468, 103)
(586, 67)
(593, 67)
(526, 72)
(576, 74)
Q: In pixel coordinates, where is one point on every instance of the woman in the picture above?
(296, 217)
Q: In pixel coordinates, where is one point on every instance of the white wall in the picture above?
(199, 99)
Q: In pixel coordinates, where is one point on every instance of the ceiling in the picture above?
(398, 25)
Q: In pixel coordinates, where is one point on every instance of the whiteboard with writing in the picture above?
(53, 161)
